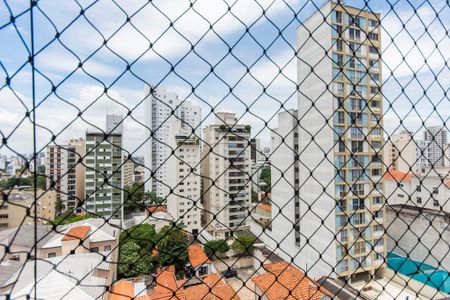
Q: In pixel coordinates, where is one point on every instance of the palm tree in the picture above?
(59, 206)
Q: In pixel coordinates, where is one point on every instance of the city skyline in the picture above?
(129, 91)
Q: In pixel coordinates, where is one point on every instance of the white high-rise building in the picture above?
(114, 123)
(226, 172)
(436, 136)
(161, 108)
(184, 203)
(285, 174)
(339, 142)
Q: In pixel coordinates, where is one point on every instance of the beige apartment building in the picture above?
(65, 171)
(128, 172)
(226, 164)
(17, 202)
(400, 152)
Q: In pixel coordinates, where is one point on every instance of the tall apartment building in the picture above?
(226, 171)
(184, 203)
(76, 149)
(436, 136)
(128, 172)
(56, 167)
(161, 107)
(285, 172)
(400, 152)
(255, 145)
(340, 214)
(65, 172)
(104, 160)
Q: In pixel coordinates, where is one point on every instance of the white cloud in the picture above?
(413, 43)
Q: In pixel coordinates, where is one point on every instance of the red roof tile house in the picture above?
(285, 281)
(167, 287)
(199, 262)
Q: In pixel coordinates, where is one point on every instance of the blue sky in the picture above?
(81, 39)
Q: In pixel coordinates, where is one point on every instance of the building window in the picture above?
(435, 202)
(419, 200)
(418, 188)
(94, 249)
(435, 190)
(51, 254)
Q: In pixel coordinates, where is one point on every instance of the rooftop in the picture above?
(209, 287)
(77, 233)
(197, 256)
(265, 207)
(398, 176)
(285, 281)
(68, 277)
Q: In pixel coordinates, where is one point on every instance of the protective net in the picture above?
(224, 149)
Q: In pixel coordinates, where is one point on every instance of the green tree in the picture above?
(152, 199)
(243, 244)
(267, 178)
(15, 181)
(254, 196)
(133, 198)
(41, 178)
(131, 262)
(143, 234)
(69, 217)
(216, 248)
(172, 247)
(59, 206)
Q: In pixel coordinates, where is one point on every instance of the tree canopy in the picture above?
(216, 248)
(243, 244)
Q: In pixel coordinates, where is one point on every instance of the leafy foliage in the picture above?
(132, 263)
(70, 217)
(136, 199)
(216, 248)
(267, 178)
(172, 247)
(143, 234)
(243, 244)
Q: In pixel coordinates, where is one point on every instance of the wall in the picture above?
(235, 263)
(406, 229)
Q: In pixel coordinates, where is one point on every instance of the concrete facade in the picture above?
(184, 203)
(226, 168)
(161, 108)
(340, 137)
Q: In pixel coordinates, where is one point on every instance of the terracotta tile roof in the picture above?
(156, 208)
(197, 256)
(285, 281)
(166, 286)
(398, 176)
(77, 233)
(265, 206)
(212, 288)
(122, 290)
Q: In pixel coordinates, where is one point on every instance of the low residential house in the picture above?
(157, 216)
(77, 276)
(89, 235)
(283, 280)
(199, 263)
(166, 287)
(429, 189)
(262, 213)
